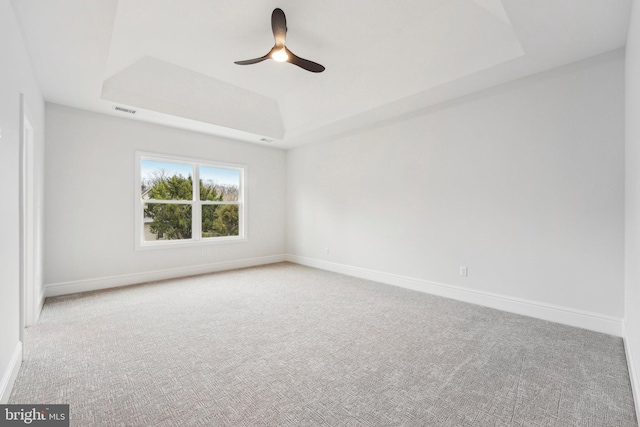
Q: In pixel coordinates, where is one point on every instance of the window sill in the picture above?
(176, 244)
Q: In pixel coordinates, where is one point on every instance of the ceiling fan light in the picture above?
(280, 55)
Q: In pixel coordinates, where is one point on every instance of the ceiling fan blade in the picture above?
(254, 61)
(279, 26)
(314, 67)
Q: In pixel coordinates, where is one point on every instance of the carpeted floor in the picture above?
(286, 345)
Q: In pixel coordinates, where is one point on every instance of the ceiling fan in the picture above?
(279, 51)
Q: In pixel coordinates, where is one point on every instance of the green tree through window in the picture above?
(170, 221)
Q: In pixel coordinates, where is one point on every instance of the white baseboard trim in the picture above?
(39, 306)
(94, 284)
(10, 374)
(554, 313)
(634, 375)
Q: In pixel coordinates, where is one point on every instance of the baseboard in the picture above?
(94, 284)
(565, 315)
(10, 374)
(39, 306)
(633, 368)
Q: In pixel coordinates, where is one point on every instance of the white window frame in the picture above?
(196, 203)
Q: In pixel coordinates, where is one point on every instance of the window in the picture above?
(171, 210)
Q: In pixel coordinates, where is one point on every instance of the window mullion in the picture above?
(166, 202)
(209, 202)
(196, 210)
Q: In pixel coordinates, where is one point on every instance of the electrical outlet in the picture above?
(463, 270)
(326, 251)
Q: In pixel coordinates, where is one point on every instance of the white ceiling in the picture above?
(173, 60)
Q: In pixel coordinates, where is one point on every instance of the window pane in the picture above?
(166, 222)
(219, 184)
(166, 180)
(220, 220)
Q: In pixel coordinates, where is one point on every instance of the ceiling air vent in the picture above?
(124, 110)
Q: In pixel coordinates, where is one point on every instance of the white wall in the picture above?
(632, 201)
(522, 183)
(89, 205)
(15, 77)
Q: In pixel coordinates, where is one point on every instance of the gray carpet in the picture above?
(286, 345)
